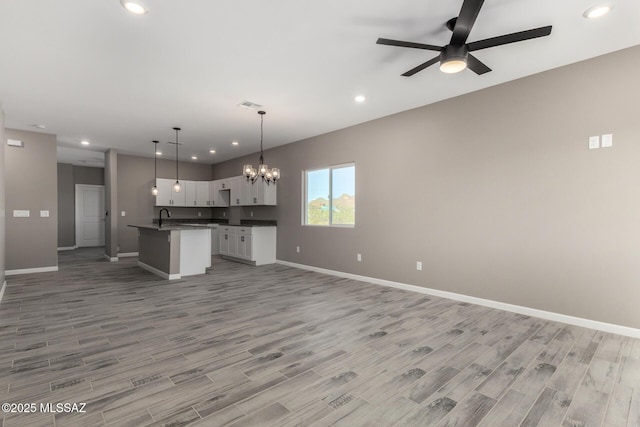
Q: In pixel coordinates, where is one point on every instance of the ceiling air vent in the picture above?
(250, 105)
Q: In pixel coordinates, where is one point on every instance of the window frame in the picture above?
(305, 206)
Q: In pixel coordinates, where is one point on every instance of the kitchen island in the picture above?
(174, 250)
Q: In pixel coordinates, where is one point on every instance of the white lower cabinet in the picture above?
(254, 245)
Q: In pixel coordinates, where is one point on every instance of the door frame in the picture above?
(78, 187)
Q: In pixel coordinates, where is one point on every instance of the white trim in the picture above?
(110, 259)
(4, 285)
(127, 254)
(30, 270)
(528, 311)
(68, 248)
(159, 272)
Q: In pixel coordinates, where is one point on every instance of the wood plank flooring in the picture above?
(273, 345)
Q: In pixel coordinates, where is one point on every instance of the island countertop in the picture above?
(173, 227)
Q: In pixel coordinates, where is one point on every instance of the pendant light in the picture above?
(154, 189)
(263, 171)
(176, 186)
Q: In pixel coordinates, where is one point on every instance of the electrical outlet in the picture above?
(199, 213)
(419, 265)
(224, 214)
(359, 257)
(298, 249)
(251, 214)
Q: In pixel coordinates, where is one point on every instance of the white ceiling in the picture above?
(91, 70)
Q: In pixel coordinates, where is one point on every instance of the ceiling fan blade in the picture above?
(408, 44)
(510, 38)
(465, 21)
(477, 66)
(422, 66)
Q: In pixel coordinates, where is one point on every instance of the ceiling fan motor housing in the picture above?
(451, 52)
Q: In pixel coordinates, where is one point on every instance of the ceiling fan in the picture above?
(455, 57)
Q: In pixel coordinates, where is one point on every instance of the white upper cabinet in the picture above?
(234, 191)
(262, 193)
(167, 196)
(237, 191)
(202, 193)
(189, 188)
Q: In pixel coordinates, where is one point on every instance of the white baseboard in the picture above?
(158, 272)
(68, 248)
(528, 311)
(110, 259)
(4, 285)
(30, 270)
(127, 254)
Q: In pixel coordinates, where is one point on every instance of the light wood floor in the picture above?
(273, 345)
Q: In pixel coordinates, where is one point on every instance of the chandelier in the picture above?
(263, 171)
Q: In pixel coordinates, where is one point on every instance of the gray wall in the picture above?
(31, 184)
(495, 192)
(68, 176)
(135, 179)
(2, 197)
(111, 203)
(66, 206)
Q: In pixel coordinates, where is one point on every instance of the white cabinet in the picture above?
(203, 193)
(234, 191)
(253, 245)
(225, 236)
(219, 196)
(167, 196)
(189, 188)
(197, 193)
(238, 191)
(262, 193)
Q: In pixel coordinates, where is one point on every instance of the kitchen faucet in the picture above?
(160, 216)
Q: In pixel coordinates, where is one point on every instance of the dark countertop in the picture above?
(219, 221)
(250, 225)
(171, 227)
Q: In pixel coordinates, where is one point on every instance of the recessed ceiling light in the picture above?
(134, 6)
(360, 98)
(84, 142)
(235, 143)
(597, 11)
(194, 157)
(212, 151)
(158, 153)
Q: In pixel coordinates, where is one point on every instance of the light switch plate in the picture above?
(44, 214)
(21, 214)
(607, 140)
(594, 142)
(122, 213)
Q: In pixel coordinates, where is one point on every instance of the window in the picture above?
(330, 196)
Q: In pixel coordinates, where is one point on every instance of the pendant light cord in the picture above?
(155, 163)
(177, 129)
(262, 113)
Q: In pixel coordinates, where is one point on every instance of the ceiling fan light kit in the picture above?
(455, 57)
(134, 6)
(597, 11)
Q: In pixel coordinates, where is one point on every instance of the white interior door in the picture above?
(89, 215)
